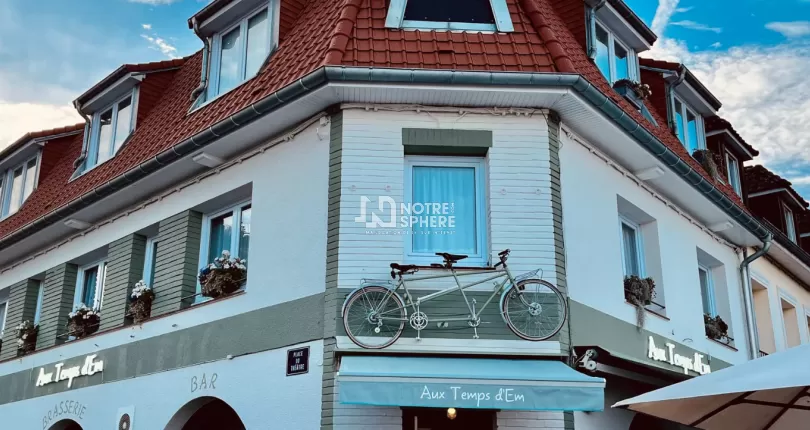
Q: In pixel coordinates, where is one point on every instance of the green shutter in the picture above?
(22, 304)
(424, 141)
(176, 262)
(57, 303)
(125, 260)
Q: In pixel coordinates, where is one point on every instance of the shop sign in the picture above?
(298, 361)
(667, 354)
(90, 367)
(65, 409)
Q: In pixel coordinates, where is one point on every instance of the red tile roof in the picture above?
(690, 78)
(27, 137)
(758, 179)
(716, 123)
(334, 32)
(130, 68)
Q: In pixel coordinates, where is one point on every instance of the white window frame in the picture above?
(639, 246)
(712, 293)
(790, 223)
(98, 299)
(95, 129)
(685, 110)
(482, 223)
(500, 11)
(40, 298)
(216, 49)
(7, 182)
(736, 174)
(5, 317)
(632, 58)
(205, 241)
(149, 255)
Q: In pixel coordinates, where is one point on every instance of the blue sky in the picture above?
(754, 55)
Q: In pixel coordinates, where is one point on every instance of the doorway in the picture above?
(205, 413)
(437, 419)
(66, 425)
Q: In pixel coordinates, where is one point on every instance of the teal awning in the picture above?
(476, 383)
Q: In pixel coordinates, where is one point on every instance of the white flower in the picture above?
(226, 254)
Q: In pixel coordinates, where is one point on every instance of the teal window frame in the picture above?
(215, 57)
(790, 223)
(733, 171)
(149, 261)
(613, 40)
(682, 130)
(639, 242)
(480, 258)
(205, 238)
(101, 277)
(38, 307)
(93, 145)
(708, 298)
(4, 307)
(503, 19)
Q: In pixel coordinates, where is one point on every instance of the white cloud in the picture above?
(764, 92)
(16, 119)
(716, 45)
(666, 8)
(146, 26)
(154, 2)
(686, 9)
(692, 25)
(790, 29)
(161, 45)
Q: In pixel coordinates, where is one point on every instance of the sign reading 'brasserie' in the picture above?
(61, 373)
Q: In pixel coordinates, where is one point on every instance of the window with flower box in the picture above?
(226, 230)
(90, 285)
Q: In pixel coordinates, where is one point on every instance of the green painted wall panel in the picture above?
(22, 305)
(57, 303)
(176, 262)
(125, 260)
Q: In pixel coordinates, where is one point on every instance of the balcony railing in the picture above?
(762, 353)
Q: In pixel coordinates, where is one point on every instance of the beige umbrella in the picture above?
(770, 393)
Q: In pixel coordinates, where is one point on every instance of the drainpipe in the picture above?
(83, 155)
(204, 69)
(748, 297)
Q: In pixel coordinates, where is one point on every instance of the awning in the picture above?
(476, 383)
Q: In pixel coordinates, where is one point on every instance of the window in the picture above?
(110, 129)
(149, 261)
(239, 51)
(689, 126)
(733, 170)
(707, 291)
(474, 15)
(632, 249)
(446, 197)
(16, 185)
(790, 228)
(38, 308)
(220, 234)
(613, 58)
(90, 285)
(790, 322)
(3, 309)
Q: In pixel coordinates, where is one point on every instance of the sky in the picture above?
(753, 55)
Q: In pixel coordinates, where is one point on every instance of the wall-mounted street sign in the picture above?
(61, 373)
(297, 361)
(668, 355)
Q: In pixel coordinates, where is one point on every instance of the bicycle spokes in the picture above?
(534, 310)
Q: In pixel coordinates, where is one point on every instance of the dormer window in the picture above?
(790, 226)
(110, 128)
(733, 171)
(238, 52)
(688, 125)
(471, 15)
(613, 58)
(16, 184)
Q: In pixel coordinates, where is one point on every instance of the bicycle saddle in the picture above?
(403, 267)
(451, 258)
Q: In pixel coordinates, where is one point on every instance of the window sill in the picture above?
(448, 26)
(656, 313)
(729, 345)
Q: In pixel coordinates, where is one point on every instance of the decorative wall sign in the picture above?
(61, 373)
(668, 355)
(66, 409)
(298, 361)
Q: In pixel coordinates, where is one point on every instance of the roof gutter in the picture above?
(336, 74)
(204, 67)
(83, 155)
(752, 336)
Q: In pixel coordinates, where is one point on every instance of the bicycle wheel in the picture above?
(534, 310)
(374, 317)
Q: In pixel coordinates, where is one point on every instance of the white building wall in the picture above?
(593, 254)
(780, 286)
(255, 386)
(287, 247)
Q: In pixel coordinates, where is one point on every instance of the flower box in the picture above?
(223, 277)
(140, 302)
(716, 328)
(26, 337)
(83, 321)
(639, 292)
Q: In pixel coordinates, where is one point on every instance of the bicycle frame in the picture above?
(474, 313)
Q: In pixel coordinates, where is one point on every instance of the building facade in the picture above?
(323, 141)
